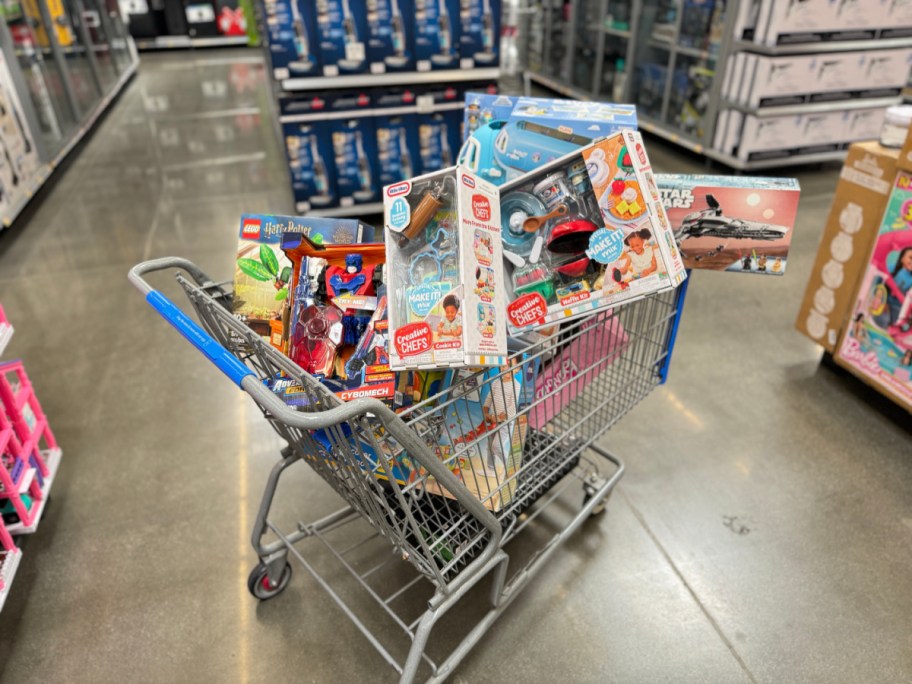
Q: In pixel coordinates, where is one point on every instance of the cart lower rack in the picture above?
(446, 483)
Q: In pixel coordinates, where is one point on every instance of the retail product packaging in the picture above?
(19, 161)
(437, 26)
(858, 205)
(263, 272)
(829, 77)
(293, 45)
(481, 439)
(438, 139)
(585, 232)
(310, 153)
(731, 223)
(354, 142)
(397, 146)
(534, 132)
(877, 342)
(390, 39)
(479, 35)
(342, 27)
(811, 21)
(200, 19)
(565, 377)
(444, 272)
(230, 18)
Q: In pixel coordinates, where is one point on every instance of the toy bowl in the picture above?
(515, 208)
(574, 269)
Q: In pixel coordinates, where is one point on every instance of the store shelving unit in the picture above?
(186, 42)
(62, 81)
(679, 72)
(389, 79)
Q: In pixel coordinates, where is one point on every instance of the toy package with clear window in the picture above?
(585, 232)
(444, 272)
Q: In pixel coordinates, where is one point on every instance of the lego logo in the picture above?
(250, 230)
(641, 154)
(481, 207)
(402, 188)
(468, 181)
(529, 309)
(412, 339)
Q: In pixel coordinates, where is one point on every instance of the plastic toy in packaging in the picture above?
(445, 272)
(585, 232)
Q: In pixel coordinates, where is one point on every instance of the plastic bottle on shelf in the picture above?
(896, 125)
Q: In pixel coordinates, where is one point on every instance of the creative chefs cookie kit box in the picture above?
(444, 272)
(585, 232)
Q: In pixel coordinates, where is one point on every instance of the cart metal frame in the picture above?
(446, 524)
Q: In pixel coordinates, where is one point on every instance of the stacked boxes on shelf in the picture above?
(29, 457)
(371, 93)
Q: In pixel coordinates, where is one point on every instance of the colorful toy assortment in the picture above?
(585, 232)
(445, 273)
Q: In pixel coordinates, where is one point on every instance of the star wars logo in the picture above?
(677, 198)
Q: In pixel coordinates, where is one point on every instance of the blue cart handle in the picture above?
(186, 326)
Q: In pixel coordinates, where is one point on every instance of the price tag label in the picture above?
(354, 52)
(377, 67)
(425, 104)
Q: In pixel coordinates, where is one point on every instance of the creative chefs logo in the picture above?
(481, 207)
(250, 230)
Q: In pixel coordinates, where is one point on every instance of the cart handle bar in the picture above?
(246, 379)
(186, 326)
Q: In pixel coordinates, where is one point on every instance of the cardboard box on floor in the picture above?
(858, 205)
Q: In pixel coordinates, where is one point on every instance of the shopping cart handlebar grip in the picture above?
(199, 338)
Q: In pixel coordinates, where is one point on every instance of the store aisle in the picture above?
(762, 532)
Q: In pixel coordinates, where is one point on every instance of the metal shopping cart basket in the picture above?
(445, 492)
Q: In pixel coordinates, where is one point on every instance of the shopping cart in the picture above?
(445, 491)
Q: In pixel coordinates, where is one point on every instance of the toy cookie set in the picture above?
(584, 232)
(444, 272)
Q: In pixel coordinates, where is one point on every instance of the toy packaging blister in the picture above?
(586, 232)
(481, 437)
(877, 342)
(342, 27)
(263, 272)
(732, 223)
(444, 272)
(536, 131)
(437, 24)
(311, 164)
(293, 45)
(479, 36)
(390, 44)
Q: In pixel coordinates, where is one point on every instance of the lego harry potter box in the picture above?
(727, 223)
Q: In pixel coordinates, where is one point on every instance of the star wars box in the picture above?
(731, 223)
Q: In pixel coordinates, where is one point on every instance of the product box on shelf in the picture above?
(877, 341)
(479, 35)
(813, 21)
(438, 139)
(437, 27)
(309, 149)
(200, 17)
(731, 223)
(390, 39)
(292, 38)
(354, 142)
(585, 232)
(536, 131)
(858, 205)
(263, 272)
(397, 147)
(19, 161)
(896, 19)
(342, 28)
(444, 272)
(481, 439)
(776, 137)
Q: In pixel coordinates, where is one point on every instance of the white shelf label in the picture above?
(378, 68)
(330, 70)
(354, 52)
(199, 14)
(281, 73)
(425, 104)
(466, 63)
(423, 65)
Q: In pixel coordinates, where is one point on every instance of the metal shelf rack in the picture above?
(185, 42)
(655, 39)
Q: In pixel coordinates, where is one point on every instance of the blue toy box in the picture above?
(534, 132)
(354, 143)
(390, 36)
(308, 147)
(479, 36)
(293, 45)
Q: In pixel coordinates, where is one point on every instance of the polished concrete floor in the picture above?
(763, 531)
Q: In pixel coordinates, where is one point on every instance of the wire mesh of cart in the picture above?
(447, 482)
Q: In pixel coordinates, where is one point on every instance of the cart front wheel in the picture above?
(259, 585)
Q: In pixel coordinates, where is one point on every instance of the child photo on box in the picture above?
(451, 325)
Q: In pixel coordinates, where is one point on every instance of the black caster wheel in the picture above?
(258, 583)
(598, 510)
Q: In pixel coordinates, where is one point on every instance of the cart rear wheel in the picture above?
(259, 585)
(600, 508)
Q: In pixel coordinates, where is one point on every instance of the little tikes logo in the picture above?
(413, 339)
(468, 181)
(250, 230)
(481, 207)
(402, 188)
(528, 309)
